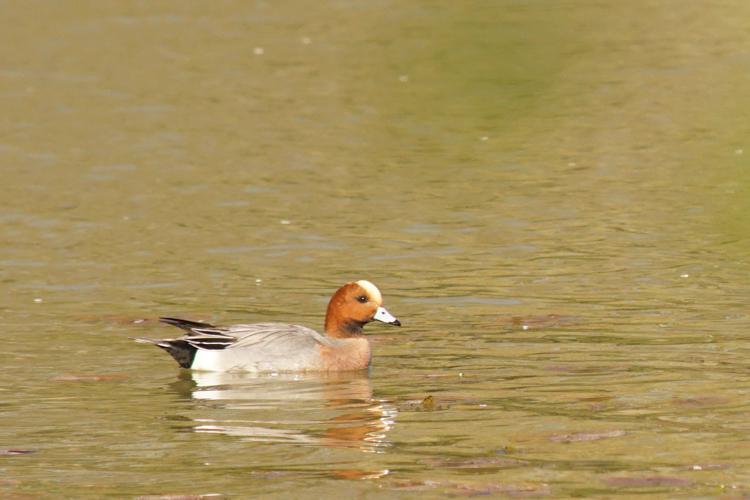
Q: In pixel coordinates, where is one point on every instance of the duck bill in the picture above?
(382, 315)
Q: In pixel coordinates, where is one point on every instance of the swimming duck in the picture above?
(264, 347)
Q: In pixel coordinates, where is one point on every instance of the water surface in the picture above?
(552, 196)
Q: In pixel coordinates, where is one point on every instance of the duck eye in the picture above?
(362, 299)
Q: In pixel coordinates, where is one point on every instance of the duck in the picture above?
(281, 347)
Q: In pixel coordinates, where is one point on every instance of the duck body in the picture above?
(268, 347)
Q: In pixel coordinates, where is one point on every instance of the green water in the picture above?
(552, 196)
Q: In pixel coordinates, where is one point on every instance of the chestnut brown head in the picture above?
(353, 306)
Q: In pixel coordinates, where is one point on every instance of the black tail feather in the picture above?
(185, 324)
(180, 350)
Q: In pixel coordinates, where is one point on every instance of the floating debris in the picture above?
(701, 401)
(104, 377)
(647, 481)
(476, 462)
(180, 497)
(585, 436)
(359, 474)
(455, 488)
(540, 321)
(14, 451)
(428, 403)
(699, 467)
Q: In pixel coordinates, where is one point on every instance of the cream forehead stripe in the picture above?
(371, 290)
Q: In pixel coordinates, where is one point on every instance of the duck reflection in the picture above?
(323, 409)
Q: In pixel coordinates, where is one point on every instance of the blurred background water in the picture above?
(552, 196)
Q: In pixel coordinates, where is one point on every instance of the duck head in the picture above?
(353, 306)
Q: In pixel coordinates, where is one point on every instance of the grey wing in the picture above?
(211, 337)
(279, 335)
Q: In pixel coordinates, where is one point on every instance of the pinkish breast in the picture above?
(346, 354)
